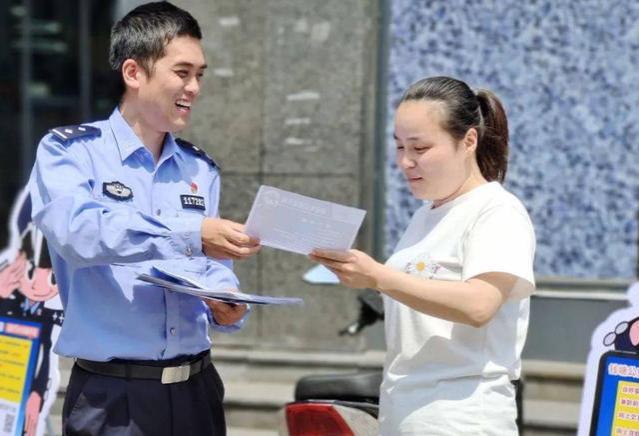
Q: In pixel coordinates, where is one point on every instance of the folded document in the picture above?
(179, 283)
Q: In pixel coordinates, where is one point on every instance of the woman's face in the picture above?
(434, 163)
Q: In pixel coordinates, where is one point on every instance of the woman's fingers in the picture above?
(333, 265)
(334, 255)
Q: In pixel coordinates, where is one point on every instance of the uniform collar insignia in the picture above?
(117, 191)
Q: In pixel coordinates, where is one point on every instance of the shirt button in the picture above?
(158, 212)
(189, 251)
(172, 330)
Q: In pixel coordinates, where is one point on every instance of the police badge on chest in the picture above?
(117, 191)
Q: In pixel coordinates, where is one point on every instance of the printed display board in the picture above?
(19, 345)
(616, 405)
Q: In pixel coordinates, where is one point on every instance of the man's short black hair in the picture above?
(143, 33)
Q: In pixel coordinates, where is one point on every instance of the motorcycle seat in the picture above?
(361, 386)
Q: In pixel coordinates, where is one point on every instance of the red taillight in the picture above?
(315, 420)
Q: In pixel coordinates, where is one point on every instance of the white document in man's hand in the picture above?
(293, 222)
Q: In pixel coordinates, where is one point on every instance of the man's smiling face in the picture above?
(168, 92)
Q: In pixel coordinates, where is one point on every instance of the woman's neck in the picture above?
(473, 181)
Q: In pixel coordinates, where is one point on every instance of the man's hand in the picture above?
(224, 239)
(225, 313)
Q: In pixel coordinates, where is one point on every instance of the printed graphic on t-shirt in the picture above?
(422, 266)
(431, 268)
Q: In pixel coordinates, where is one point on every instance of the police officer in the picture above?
(115, 198)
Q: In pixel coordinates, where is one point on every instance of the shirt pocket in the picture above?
(112, 203)
(190, 212)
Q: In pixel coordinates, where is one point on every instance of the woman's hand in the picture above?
(354, 268)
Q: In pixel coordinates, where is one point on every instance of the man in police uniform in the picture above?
(115, 198)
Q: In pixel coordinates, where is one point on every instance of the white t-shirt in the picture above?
(443, 377)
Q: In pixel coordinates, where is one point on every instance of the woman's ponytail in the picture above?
(492, 147)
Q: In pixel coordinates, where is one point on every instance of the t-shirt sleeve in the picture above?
(502, 240)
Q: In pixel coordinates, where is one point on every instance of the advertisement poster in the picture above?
(19, 344)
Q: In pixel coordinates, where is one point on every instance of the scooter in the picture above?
(347, 404)
(338, 404)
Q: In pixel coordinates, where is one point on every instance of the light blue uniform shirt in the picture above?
(101, 238)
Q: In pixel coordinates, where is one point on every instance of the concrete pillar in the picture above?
(288, 102)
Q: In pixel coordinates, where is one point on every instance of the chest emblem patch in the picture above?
(192, 202)
(117, 191)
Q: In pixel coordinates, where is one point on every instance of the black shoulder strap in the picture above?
(67, 133)
(197, 151)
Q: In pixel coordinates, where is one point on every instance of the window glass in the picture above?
(54, 72)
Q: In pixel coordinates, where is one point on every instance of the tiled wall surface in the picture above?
(567, 73)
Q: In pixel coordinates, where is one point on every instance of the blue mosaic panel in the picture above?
(568, 74)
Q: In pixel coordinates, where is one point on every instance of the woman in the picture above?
(456, 289)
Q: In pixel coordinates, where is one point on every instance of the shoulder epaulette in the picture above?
(196, 150)
(67, 133)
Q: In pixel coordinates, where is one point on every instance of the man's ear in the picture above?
(132, 73)
(470, 140)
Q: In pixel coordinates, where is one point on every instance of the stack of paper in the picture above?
(180, 283)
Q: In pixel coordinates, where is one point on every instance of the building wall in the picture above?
(567, 73)
(288, 102)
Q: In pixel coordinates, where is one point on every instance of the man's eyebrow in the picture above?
(189, 64)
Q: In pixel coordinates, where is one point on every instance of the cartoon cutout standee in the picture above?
(620, 333)
(28, 291)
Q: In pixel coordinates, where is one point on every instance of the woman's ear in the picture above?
(470, 140)
(131, 73)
